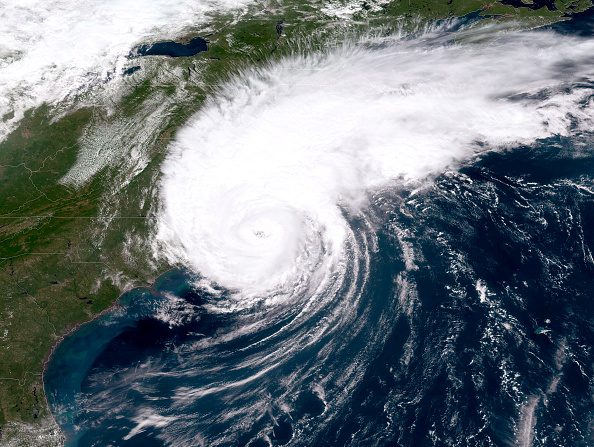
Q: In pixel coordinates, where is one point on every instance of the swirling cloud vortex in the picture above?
(254, 190)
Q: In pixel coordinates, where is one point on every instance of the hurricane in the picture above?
(374, 243)
(258, 186)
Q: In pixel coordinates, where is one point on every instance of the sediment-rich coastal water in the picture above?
(456, 311)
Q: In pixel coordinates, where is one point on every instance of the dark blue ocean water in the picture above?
(497, 314)
(466, 319)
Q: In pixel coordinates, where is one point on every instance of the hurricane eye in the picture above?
(260, 234)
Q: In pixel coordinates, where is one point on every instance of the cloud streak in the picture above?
(255, 186)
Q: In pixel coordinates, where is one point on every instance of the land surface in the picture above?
(68, 249)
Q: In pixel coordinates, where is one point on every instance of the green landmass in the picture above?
(68, 251)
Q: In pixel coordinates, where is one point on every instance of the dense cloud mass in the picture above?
(256, 186)
(50, 51)
(369, 241)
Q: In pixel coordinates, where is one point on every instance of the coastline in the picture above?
(116, 303)
(79, 325)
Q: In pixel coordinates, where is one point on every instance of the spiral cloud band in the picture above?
(256, 187)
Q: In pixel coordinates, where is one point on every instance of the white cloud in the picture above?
(252, 187)
(52, 50)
